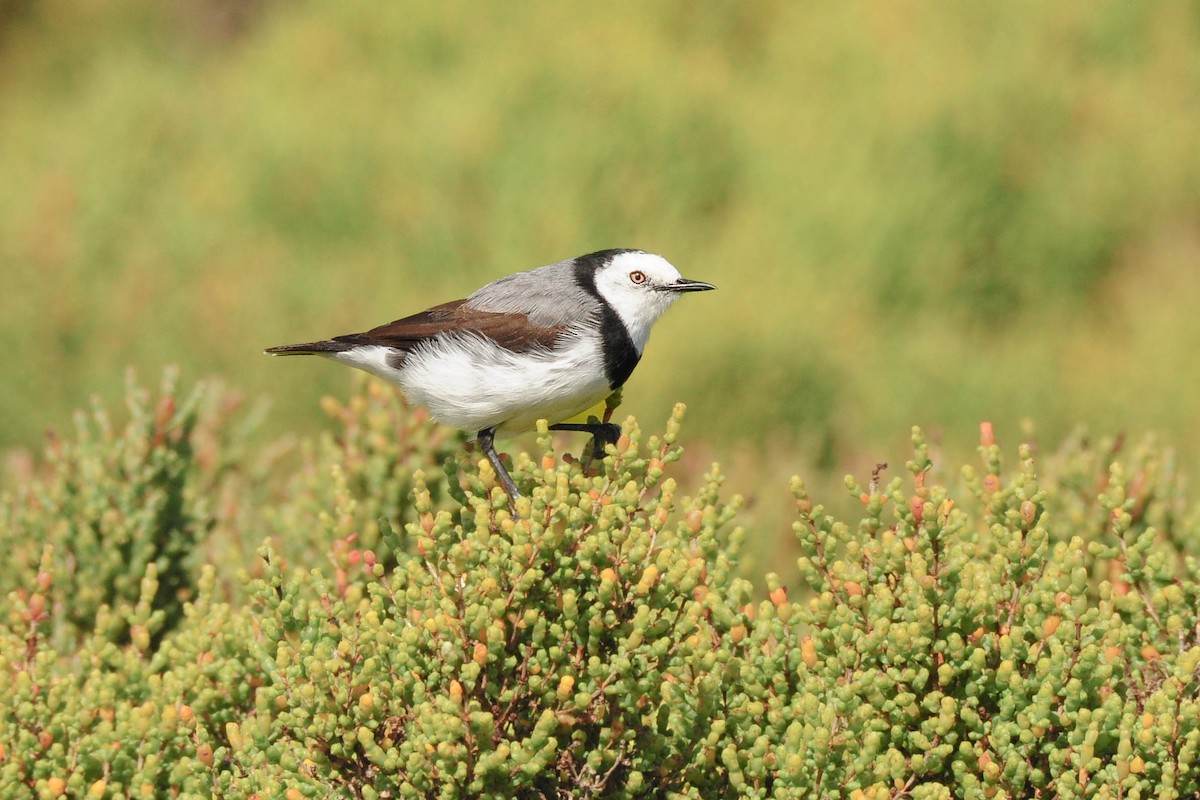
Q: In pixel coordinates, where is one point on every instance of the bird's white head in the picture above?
(640, 286)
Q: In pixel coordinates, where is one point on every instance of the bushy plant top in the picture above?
(397, 629)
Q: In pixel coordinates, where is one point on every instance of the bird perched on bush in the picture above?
(548, 344)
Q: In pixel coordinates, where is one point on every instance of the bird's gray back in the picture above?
(550, 296)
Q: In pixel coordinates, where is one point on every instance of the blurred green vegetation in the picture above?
(921, 213)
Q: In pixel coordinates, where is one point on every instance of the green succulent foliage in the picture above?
(122, 720)
(406, 631)
(963, 647)
(378, 445)
(116, 501)
(562, 642)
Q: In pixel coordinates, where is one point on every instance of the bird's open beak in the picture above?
(684, 285)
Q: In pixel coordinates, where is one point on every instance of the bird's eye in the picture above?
(638, 277)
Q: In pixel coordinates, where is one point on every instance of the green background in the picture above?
(916, 213)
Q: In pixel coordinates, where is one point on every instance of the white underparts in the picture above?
(472, 383)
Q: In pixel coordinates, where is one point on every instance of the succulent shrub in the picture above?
(959, 644)
(570, 642)
(370, 458)
(396, 628)
(116, 500)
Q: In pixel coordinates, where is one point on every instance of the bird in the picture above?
(548, 343)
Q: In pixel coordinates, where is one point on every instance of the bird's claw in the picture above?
(604, 434)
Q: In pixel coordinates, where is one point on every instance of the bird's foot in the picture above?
(603, 433)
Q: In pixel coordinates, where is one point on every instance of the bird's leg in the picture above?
(603, 433)
(486, 439)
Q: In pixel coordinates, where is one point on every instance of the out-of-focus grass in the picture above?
(927, 214)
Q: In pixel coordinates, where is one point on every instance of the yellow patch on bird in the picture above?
(596, 411)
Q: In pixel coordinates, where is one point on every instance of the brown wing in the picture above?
(512, 331)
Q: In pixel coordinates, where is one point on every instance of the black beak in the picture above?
(684, 285)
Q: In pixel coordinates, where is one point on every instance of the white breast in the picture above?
(471, 383)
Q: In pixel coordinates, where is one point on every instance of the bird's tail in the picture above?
(308, 348)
